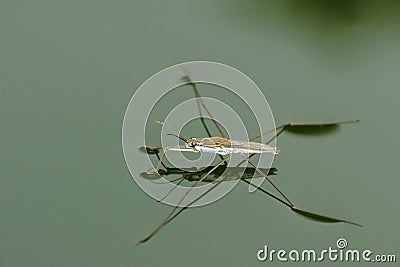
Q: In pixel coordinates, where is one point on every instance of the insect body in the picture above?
(223, 146)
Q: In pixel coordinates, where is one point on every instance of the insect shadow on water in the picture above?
(221, 172)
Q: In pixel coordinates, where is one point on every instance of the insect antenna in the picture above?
(180, 137)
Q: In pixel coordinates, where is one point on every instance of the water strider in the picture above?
(222, 146)
(225, 147)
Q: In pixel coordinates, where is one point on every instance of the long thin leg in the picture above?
(282, 128)
(267, 193)
(305, 213)
(269, 180)
(286, 126)
(160, 162)
(175, 186)
(197, 94)
(219, 182)
(160, 159)
(165, 222)
(195, 200)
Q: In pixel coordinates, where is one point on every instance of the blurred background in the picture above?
(69, 68)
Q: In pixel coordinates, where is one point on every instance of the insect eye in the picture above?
(193, 144)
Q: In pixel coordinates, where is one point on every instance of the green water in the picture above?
(69, 68)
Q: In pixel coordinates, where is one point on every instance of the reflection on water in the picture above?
(220, 173)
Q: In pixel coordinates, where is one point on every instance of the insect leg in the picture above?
(266, 177)
(165, 222)
(170, 191)
(314, 125)
(280, 129)
(201, 103)
(308, 214)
